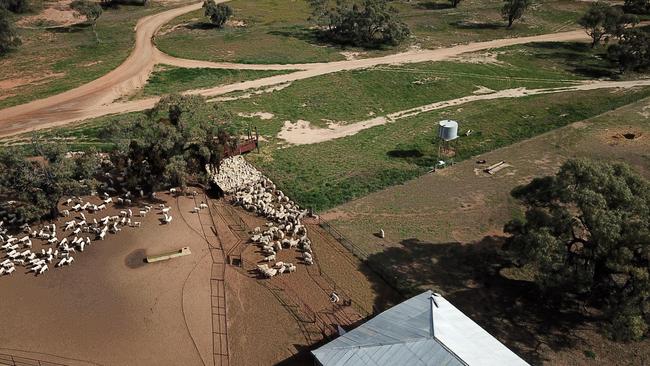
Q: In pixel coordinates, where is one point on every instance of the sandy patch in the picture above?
(251, 94)
(236, 23)
(349, 55)
(302, 133)
(53, 14)
(480, 58)
(93, 63)
(480, 89)
(9, 84)
(429, 80)
(645, 112)
(260, 115)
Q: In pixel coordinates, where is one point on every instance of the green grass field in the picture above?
(351, 96)
(330, 173)
(56, 60)
(167, 79)
(277, 31)
(435, 24)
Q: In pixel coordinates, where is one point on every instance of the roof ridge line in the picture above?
(409, 340)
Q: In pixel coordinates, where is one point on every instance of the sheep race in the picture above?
(257, 194)
(92, 258)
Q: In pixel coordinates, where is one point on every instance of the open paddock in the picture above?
(444, 231)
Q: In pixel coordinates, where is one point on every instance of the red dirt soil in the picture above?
(110, 308)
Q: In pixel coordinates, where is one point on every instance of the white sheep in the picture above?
(269, 258)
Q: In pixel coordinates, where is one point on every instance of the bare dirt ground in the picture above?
(443, 231)
(280, 318)
(110, 308)
(302, 133)
(98, 97)
(57, 13)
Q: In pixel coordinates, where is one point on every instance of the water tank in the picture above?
(448, 130)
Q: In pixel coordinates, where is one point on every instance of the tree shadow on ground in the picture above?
(405, 153)
(432, 5)
(73, 28)
(578, 57)
(462, 24)
(314, 37)
(200, 26)
(470, 277)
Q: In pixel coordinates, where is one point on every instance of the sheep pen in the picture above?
(257, 194)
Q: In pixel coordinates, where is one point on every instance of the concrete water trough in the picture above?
(168, 255)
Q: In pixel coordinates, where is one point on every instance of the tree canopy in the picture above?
(8, 37)
(637, 6)
(602, 21)
(15, 6)
(587, 233)
(168, 146)
(632, 52)
(90, 10)
(218, 13)
(37, 185)
(366, 23)
(514, 9)
(172, 143)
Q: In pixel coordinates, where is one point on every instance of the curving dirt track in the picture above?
(97, 98)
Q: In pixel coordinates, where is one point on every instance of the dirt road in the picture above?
(97, 98)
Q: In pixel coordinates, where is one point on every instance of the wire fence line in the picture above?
(11, 360)
(362, 254)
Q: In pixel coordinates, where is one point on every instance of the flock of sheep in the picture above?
(259, 195)
(75, 235)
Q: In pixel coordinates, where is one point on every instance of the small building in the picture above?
(424, 330)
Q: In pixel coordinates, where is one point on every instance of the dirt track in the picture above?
(97, 97)
(302, 133)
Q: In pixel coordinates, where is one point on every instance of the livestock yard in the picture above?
(243, 182)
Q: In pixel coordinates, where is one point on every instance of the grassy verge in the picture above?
(330, 173)
(55, 60)
(166, 80)
(277, 31)
(351, 96)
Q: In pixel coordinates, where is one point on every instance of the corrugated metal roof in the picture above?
(402, 336)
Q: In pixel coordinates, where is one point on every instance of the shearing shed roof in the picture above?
(424, 330)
